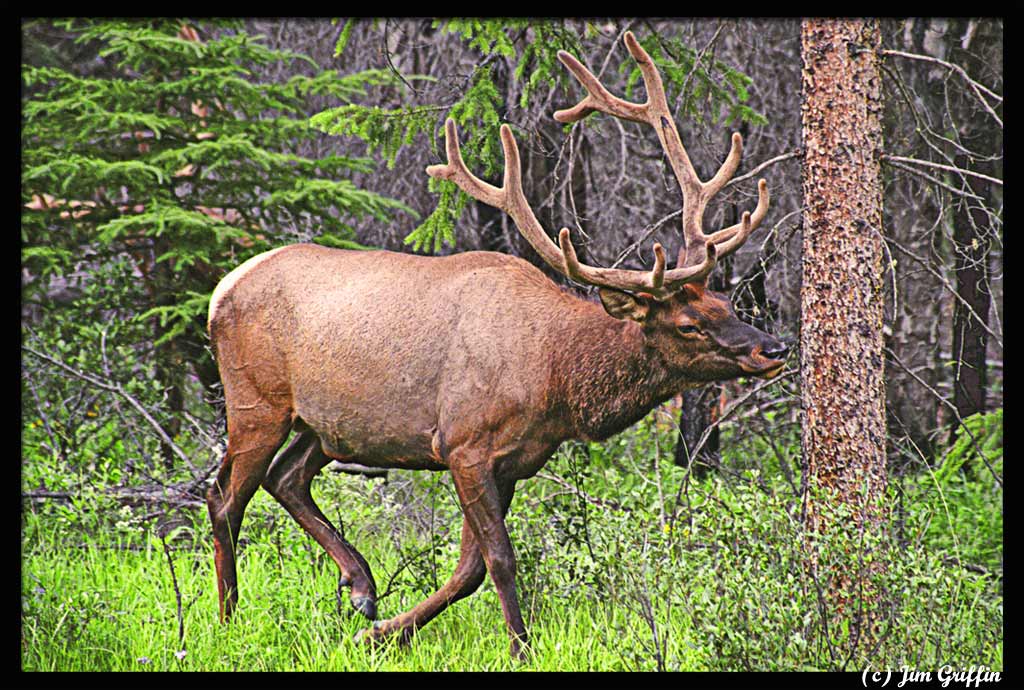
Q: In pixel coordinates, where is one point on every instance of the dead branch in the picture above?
(974, 86)
(950, 168)
(119, 390)
(599, 502)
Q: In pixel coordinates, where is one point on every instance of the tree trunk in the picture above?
(972, 247)
(696, 414)
(841, 343)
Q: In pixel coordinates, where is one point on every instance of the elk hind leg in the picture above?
(253, 438)
(288, 481)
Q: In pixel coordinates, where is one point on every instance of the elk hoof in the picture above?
(520, 651)
(382, 632)
(366, 605)
(373, 636)
(363, 637)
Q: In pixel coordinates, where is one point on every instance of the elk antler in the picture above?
(510, 198)
(656, 113)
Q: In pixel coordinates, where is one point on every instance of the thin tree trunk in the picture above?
(972, 247)
(841, 343)
(696, 414)
(970, 339)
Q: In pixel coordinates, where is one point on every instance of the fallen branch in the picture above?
(127, 495)
(970, 567)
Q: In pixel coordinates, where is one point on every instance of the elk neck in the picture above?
(605, 375)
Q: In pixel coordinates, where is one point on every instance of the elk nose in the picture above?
(777, 350)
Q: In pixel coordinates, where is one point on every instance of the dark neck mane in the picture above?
(606, 376)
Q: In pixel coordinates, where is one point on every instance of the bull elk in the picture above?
(475, 364)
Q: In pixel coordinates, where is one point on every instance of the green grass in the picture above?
(720, 587)
(113, 607)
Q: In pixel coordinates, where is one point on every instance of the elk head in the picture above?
(694, 329)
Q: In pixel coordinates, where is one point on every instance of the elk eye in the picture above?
(689, 329)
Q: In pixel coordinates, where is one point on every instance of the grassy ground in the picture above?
(647, 572)
(112, 605)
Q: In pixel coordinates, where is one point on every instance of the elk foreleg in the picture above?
(485, 499)
(468, 576)
(484, 510)
(288, 481)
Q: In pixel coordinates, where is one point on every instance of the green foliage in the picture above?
(439, 226)
(175, 318)
(384, 131)
(477, 112)
(959, 506)
(166, 150)
(624, 563)
(538, 62)
(346, 32)
(979, 445)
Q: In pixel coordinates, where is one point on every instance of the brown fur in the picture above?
(474, 363)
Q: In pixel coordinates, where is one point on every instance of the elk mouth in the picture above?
(772, 372)
(760, 366)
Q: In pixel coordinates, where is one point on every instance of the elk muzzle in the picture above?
(766, 361)
(760, 354)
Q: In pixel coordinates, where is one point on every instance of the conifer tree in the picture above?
(153, 162)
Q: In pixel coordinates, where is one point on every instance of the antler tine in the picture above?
(730, 239)
(658, 272)
(598, 99)
(656, 112)
(658, 282)
(456, 171)
(728, 169)
(660, 117)
(510, 198)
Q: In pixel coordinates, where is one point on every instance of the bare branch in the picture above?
(119, 390)
(950, 168)
(599, 502)
(768, 163)
(934, 180)
(975, 86)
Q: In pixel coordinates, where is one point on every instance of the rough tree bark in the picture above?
(841, 342)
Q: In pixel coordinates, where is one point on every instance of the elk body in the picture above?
(475, 364)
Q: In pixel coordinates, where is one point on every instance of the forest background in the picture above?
(158, 155)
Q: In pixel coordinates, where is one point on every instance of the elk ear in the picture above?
(623, 305)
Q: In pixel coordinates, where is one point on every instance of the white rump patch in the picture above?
(228, 282)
